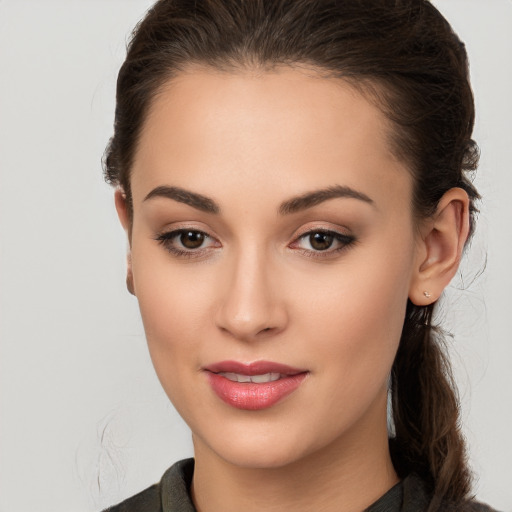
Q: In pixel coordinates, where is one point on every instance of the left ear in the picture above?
(440, 245)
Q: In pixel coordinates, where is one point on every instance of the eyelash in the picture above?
(166, 239)
(345, 241)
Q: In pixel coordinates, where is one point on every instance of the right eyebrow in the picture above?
(197, 201)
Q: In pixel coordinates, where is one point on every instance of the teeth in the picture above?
(257, 379)
(267, 377)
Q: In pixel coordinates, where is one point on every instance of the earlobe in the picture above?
(440, 247)
(129, 274)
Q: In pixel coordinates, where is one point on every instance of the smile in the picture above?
(258, 379)
(255, 386)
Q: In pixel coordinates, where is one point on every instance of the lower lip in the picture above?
(251, 396)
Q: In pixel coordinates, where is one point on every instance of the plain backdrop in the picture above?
(83, 420)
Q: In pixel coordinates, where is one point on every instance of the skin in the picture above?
(257, 289)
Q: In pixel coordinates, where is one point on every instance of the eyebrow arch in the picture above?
(293, 205)
(197, 201)
(310, 199)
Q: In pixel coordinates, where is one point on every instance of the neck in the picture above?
(346, 476)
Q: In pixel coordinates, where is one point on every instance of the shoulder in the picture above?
(468, 506)
(171, 494)
(476, 506)
(417, 498)
(146, 501)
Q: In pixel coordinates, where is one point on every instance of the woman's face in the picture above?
(272, 242)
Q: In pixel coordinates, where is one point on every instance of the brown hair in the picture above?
(405, 57)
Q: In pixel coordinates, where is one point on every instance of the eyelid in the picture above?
(342, 241)
(314, 227)
(191, 225)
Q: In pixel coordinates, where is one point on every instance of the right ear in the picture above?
(122, 209)
(124, 218)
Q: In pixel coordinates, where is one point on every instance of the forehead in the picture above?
(285, 130)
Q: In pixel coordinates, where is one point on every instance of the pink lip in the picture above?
(249, 395)
(256, 368)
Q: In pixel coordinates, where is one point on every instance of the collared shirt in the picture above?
(172, 494)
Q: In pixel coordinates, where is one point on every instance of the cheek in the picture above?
(174, 312)
(356, 318)
(175, 308)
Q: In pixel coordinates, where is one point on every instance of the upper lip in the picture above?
(255, 368)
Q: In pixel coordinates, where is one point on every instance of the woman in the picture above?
(291, 176)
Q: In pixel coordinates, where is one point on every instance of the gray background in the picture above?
(83, 420)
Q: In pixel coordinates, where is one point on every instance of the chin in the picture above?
(261, 457)
(259, 451)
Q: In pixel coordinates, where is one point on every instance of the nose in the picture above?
(251, 305)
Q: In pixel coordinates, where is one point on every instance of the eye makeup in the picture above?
(187, 242)
(323, 243)
(195, 243)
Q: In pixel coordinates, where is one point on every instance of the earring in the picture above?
(427, 294)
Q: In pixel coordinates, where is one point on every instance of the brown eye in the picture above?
(188, 243)
(320, 241)
(192, 239)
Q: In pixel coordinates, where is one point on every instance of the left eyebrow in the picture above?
(310, 199)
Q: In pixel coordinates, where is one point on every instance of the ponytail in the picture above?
(427, 439)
